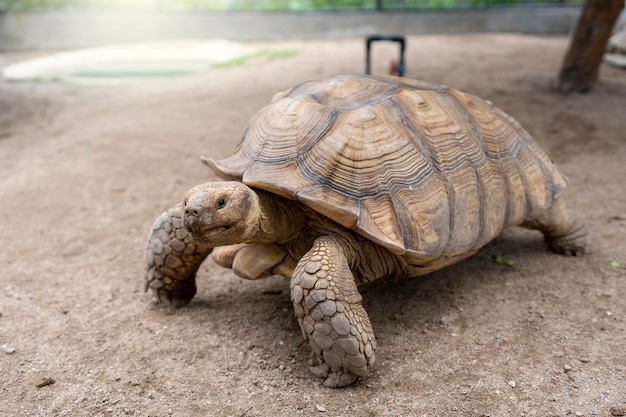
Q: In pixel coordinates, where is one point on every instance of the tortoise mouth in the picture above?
(216, 231)
(207, 235)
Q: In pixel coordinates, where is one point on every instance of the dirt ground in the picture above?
(84, 170)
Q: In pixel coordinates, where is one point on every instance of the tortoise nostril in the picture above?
(192, 211)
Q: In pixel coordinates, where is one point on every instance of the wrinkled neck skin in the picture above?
(278, 220)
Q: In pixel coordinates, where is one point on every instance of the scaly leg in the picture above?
(564, 233)
(328, 307)
(172, 259)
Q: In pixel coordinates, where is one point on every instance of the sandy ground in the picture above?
(85, 169)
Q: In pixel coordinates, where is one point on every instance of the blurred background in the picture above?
(62, 24)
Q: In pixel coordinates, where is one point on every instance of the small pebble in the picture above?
(585, 360)
(512, 384)
(618, 411)
(567, 368)
(8, 350)
(46, 382)
(320, 408)
(579, 413)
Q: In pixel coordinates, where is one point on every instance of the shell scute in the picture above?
(424, 216)
(364, 154)
(378, 214)
(344, 92)
(336, 206)
(294, 124)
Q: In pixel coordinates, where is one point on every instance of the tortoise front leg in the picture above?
(564, 233)
(328, 307)
(172, 259)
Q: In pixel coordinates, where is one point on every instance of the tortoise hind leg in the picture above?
(564, 233)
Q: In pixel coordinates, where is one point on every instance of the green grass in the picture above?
(283, 53)
(262, 55)
(239, 60)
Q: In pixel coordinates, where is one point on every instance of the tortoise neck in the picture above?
(278, 221)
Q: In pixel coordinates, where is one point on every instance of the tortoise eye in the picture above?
(221, 203)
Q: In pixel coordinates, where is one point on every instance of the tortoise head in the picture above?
(221, 213)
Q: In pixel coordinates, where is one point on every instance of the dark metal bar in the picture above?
(390, 38)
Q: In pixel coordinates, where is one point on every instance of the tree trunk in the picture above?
(588, 44)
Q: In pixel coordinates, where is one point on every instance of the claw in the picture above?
(337, 380)
(320, 371)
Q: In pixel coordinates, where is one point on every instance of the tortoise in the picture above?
(349, 179)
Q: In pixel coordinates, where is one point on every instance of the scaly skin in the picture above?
(328, 307)
(173, 259)
(564, 233)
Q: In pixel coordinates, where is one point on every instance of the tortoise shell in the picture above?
(422, 169)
